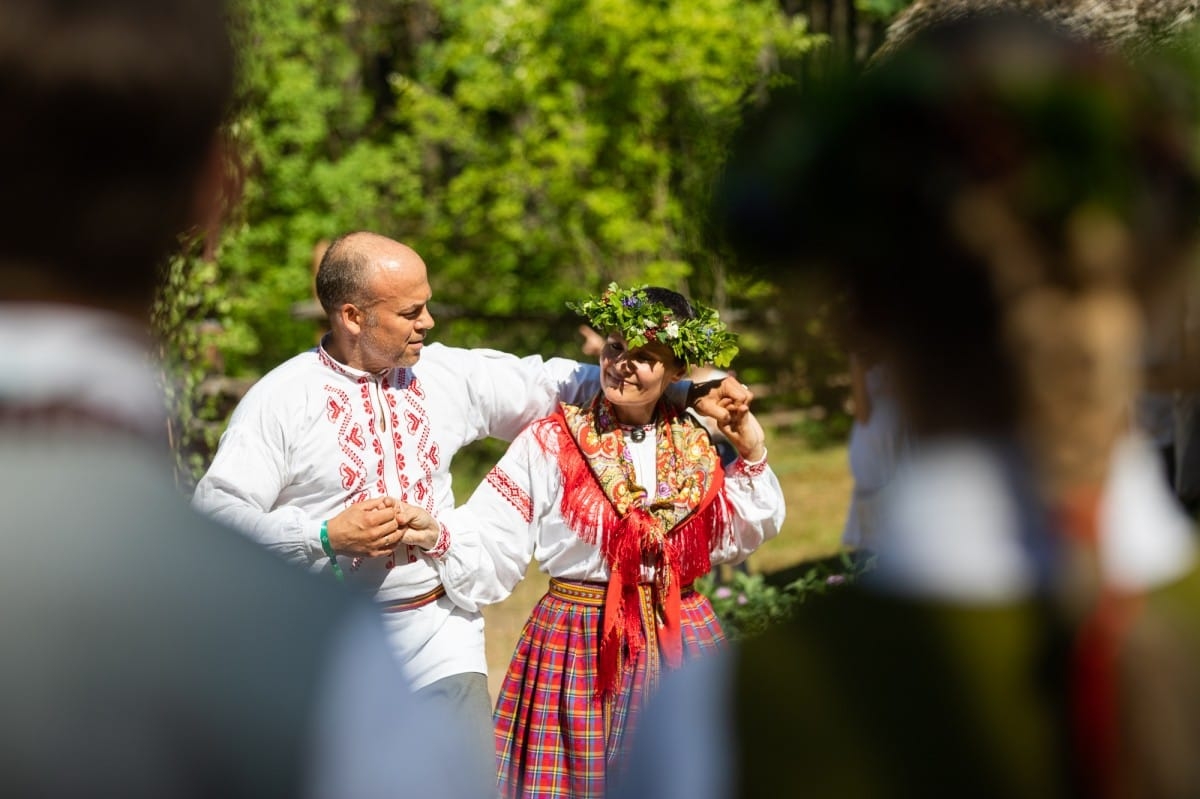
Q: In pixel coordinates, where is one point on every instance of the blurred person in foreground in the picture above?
(1000, 205)
(148, 652)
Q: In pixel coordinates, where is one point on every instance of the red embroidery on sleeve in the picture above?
(506, 487)
(749, 469)
(442, 544)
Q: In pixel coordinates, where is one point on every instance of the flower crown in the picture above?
(700, 340)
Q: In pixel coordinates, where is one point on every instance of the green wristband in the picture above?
(325, 545)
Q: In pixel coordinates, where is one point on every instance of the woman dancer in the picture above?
(624, 502)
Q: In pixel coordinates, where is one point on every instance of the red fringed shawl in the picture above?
(672, 528)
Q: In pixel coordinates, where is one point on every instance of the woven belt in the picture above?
(416, 602)
(593, 593)
(579, 593)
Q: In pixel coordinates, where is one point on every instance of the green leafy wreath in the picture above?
(703, 339)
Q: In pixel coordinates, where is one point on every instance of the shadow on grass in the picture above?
(747, 604)
(847, 564)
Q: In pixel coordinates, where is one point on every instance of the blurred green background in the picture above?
(530, 150)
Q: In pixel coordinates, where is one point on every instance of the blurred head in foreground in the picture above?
(109, 150)
(997, 203)
(154, 653)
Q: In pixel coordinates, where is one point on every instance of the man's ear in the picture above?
(353, 318)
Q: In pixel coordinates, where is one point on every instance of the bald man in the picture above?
(324, 451)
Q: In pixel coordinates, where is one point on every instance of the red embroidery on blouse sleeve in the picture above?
(506, 487)
(442, 544)
(740, 467)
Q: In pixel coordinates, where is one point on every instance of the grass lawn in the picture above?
(816, 483)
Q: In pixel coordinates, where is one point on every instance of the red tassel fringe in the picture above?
(687, 554)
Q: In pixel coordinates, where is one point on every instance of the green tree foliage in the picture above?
(531, 150)
(319, 160)
(574, 142)
(526, 148)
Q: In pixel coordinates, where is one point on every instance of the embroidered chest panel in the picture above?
(384, 438)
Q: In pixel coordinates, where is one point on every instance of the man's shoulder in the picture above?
(442, 364)
(285, 380)
(438, 354)
(469, 362)
(299, 365)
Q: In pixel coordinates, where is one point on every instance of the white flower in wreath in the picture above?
(671, 330)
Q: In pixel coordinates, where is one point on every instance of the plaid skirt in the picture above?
(554, 737)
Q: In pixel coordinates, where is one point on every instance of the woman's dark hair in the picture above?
(678, 303)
